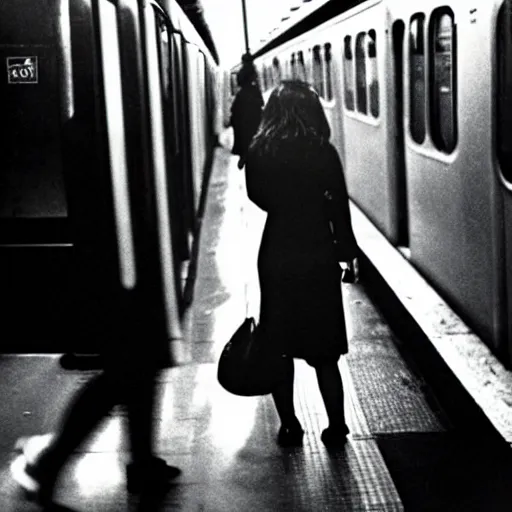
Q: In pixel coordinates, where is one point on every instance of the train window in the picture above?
(233, 83)
(328, 71)
(361, 95)
(293, 64)
(165, 59)
(373, 78)
(417, 78)
(443, 99)
(318, 74)
(276, 66)
(164, 46)
(348, 72)
(286, 70)
(176, 80)
(504, 97)
(301, 68)
(309, 66)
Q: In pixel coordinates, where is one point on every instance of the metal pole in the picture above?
(246, 34)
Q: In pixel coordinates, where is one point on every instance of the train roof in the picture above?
(187, 17)
(304, 20)
(194, 11)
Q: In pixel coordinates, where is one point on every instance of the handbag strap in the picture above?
(245, 243)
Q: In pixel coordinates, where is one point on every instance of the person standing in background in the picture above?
(246, 109)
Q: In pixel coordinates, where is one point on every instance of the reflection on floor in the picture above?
(395, 458)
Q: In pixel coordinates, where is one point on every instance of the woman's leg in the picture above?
(88, 408)
(290, 433)
(140, 401)
(145, 472)
(134, 389)
(331, 389)
(39, 472)
(283, 396)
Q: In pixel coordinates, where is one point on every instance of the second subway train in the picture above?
(110, 109)
(418, 95)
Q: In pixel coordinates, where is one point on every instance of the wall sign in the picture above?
(22, 70)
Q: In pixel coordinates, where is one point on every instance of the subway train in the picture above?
(109, 116)
(419, 98)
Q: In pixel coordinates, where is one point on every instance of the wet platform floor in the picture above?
(404, 452)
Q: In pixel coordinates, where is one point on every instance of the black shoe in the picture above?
(290, 436)
(154, 476)
(335, 437)
(27, 468)
(35, 488)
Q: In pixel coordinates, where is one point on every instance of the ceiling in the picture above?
(264, 18)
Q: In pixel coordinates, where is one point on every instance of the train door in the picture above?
(135, 85)
(504, 154)
(174, 162)
(182, 155)
(368, 116)
(105, 164)
(95, 152)
(170, 270)
(195, 83)
(201, 124)
(116, 148)
(184, 60)
(36, 249)
(398, 31)
(212, 88)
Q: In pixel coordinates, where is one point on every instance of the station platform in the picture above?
(410, 447)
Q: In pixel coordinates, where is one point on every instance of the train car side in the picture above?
(122, 143)
(454, 202)
(417, 97)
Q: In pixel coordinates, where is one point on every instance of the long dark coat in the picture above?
(300, 278)
(245, 117)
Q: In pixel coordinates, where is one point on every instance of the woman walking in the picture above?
(295, 174)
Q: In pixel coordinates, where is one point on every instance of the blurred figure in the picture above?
(292, 171)
(246, 109)
(128, 379)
